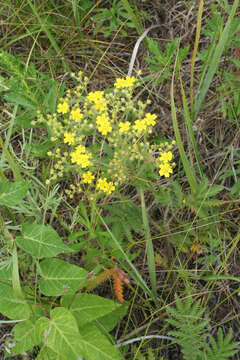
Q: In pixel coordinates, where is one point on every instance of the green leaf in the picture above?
(20, 99)
(10, 306)
(88, 307)
(214, 190)
(60, 334)
(60, 277)
(41, 241)
(96, 346)
(24, 336)
(40, 150)
(6, 273)
(222, 349)
(12, 193)
(49, 354)
(109, 321)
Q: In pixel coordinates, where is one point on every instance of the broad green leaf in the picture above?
(48, 354)
(60, 334)
(11, 193)
(96, 346)
(24, 336)
(109, 321)
(10, 306)
(6, 273)
(60, 277)
(88, 307)
(41, 241)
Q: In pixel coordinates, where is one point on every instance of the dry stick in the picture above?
(135, 50)
(169, 338)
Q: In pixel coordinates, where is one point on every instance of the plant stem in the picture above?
(149, 246)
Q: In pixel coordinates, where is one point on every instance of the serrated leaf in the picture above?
(12, 193)
(60, 334)
(20, 99)
(88, 307)
(10, 306)
(41, 241)
(60, 277)
(214, 190)
(96, 346)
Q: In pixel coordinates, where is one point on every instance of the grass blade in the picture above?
(149, 246)
(137, 275)
(214, 61)
(186, 164)
(198, 30)
(188, 121)
(49, 35)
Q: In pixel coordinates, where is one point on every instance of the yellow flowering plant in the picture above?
(103, 138)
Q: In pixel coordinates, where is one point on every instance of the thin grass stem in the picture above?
(49, 35)
(198, 31)
(137, 276)
(149, 246)
(189, 124)
(186, 165)
(214, 61)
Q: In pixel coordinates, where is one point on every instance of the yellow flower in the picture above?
(76, 114)
(122, 83)
(101, 106)
(63, 108)
(81, 149)
(150, 119)
(88, 177)
(95, 96)
(166, 157)
(124, 127)
(105, 186)
(165, 170)
(140, 125)
(68, 138)
(103, 124)
(81, 157)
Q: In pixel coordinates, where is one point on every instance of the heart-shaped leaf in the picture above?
(88, 307)
(12, 193)
(11, 306)
(96, 346)
(41, 241)
(60, 278)
(60, 334)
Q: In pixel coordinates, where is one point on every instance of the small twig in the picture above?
(144, 338)
(135, 50)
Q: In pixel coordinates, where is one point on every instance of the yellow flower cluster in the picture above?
(122, 83)
(63, 108)
(104, 138)
(145, 124)
(76, 114)
(97, 98)
(164, 163)
(124, 127)
(88, 177)
(68, 138)
(105, 186)
(81, 157)
(103, 124)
